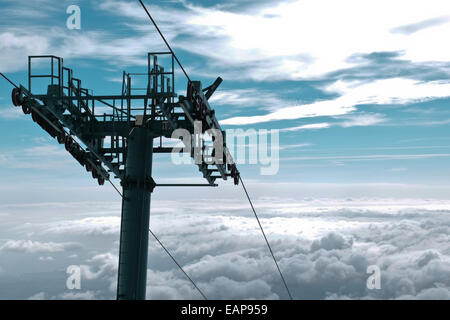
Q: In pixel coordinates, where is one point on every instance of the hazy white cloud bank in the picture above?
(324, 247)
(245, 98)
(323, 253)
(42, 156)
(30, 246)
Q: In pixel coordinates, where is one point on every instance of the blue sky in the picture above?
(360, 96)
(359, 91)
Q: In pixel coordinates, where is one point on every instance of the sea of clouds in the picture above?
(323, 247)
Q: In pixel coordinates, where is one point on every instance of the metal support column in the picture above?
(137, 187)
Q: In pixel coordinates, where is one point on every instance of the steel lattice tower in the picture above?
(120, 141)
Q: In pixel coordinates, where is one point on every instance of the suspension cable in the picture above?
(267, 241)
(167, 251)
(6, 78)
(164, 39)
(114, 186)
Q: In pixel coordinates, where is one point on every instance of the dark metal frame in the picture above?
(68, 110)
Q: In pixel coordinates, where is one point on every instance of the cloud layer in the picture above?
(323, 246)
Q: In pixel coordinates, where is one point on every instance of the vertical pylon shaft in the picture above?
(137, 187)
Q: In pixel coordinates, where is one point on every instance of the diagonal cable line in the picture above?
(179, 266)
(6, 78)
(114, 186)
(267, 241)
(164, 39)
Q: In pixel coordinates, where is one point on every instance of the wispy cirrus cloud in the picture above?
(11, 113)
(312, 126)
(248, 98)
(361, 120)
(371, 157)
(415, 27)
(396, 91)
(348, 121)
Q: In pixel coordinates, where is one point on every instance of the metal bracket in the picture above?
(148, 184)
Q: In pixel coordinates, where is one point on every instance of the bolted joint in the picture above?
(129, 183)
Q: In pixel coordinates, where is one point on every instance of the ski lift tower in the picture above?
(114, 136)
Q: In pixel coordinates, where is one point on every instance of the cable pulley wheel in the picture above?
(101, 181)
(26, 110)
(16, 97)
(69, 144)
(61, 138)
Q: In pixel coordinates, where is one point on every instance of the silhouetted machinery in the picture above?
(114, 134)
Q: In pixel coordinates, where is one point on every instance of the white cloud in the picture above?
(328, 265)
(107, 225)
(323, 247)
(30, 246)
(38, 296)
(372, 157)
(316, 109)
(415, 27)
(389, 91)
(360, 120)
(44, 156)
(45, 150)
(354, 93)
(16, 45)
(254, 42)
(312, 126)
(85, 295)
(247, 98)
(307, 39)
(48, 258)
(351, 120)
(294, 146)
(108, 264)
(11, 113)
(277, 41)
(429, 294)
